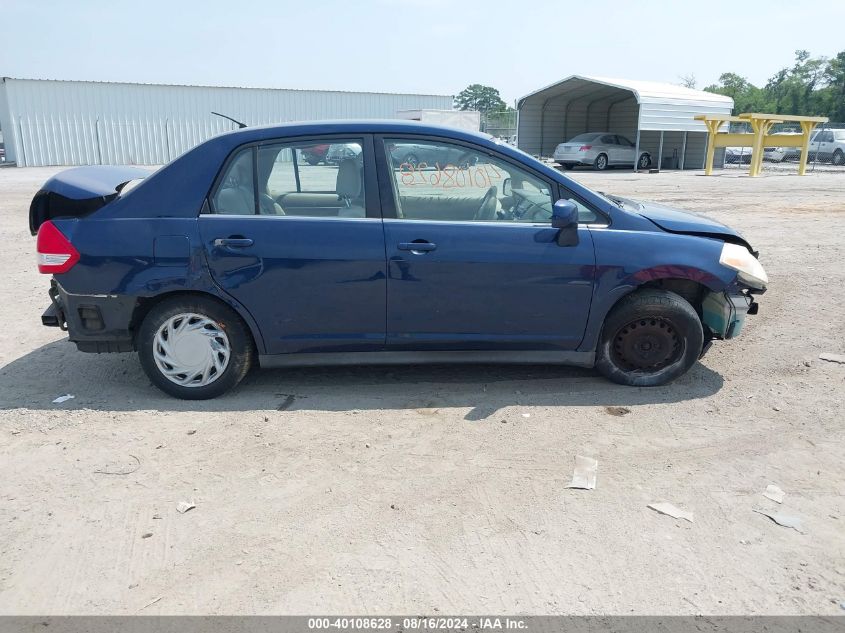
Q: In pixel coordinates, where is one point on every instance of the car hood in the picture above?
(676, 221)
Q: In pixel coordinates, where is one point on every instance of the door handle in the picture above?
(233, 242)
(417, 248)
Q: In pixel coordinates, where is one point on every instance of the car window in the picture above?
(607, 139)
(441, 181)
(294, 179)
(585, 138)
(624, 141)
(840, 136)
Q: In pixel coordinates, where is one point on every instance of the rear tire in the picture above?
(838, 157)
(193, 332)
(601, 162)
(649, 338)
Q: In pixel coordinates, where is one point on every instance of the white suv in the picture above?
(829, 145)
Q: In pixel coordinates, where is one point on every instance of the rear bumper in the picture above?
(96, 323)
(574, 159)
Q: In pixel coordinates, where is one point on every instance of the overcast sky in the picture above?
(421, 46)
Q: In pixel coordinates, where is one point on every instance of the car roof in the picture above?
(352, 126)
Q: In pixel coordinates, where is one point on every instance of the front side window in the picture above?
(441, 181)
(314, 179)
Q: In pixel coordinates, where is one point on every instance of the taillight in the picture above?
(584, 148)
(55, 252)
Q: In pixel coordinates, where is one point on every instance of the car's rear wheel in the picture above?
(649, 338)
(194, 348)
(601, 162)
(838, 157)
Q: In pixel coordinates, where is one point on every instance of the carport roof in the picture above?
(579, 86)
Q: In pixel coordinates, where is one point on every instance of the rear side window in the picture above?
(294, 179)
(236, 193)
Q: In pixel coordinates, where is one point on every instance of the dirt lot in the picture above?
(440, 489)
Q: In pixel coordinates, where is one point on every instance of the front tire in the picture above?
(649, 338)
(644, 162)
(838, 157)
(194, 348)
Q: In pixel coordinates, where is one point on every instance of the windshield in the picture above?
(585, 138)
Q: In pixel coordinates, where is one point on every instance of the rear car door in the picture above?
(301, 246)
(627, 151)
(473, 262)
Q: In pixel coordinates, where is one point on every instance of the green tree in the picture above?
(482, 98)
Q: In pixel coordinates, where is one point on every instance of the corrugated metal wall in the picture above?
(546, 119)
(89, 123)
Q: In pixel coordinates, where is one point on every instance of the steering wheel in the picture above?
(487, 209)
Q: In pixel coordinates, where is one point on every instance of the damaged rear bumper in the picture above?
(96, 323)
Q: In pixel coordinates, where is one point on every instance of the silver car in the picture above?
(600, 150)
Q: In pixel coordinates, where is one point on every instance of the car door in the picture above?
(627, 151)
(301, 246)
(473, 262)
(611, 148)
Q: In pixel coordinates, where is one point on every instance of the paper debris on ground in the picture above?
(664, 507)
(784, 520)
(61, 399)
(774, 493)
(584, 476)
(833, 358)
(183, 506)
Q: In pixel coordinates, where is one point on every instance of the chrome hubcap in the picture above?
(191, 350)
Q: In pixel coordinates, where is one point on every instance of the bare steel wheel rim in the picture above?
(191, 350)
(647, 345)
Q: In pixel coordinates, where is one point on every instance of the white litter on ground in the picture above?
(61, 399)
(666, 508)
(584, 475)
(774, 493)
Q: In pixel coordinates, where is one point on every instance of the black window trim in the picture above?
(371, 185)
(388, 203)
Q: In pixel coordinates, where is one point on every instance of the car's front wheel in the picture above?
(649, 338)
(644, 162)
(838, 157)
(194, 348)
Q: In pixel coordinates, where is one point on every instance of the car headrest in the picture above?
(348, 179)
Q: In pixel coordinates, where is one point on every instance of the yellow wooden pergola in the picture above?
(761, 124)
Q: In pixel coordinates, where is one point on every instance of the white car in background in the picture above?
(600, 150)
(828, 145)
(779, 154)
(738, 155)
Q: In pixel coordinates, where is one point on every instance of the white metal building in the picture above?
(659, 116)
(46, 122)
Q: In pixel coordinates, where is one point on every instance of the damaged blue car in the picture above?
(242, 252)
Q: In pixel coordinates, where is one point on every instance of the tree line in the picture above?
(812, 86)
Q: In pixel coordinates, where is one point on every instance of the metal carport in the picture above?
(659, 116)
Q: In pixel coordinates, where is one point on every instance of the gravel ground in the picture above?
(440, 489)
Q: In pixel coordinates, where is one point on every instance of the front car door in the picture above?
(473, 262)
(301, 246)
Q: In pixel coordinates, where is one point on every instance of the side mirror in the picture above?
(565, 218)
(507, 189)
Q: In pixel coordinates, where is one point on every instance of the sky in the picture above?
(416, 46)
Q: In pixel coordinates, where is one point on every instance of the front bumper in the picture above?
(724, 313)
(96, 323)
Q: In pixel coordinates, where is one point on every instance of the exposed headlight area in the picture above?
(750, 270)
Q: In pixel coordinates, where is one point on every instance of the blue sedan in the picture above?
(240, 252)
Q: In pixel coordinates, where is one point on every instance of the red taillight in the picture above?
(55, 252)
(584, 148)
